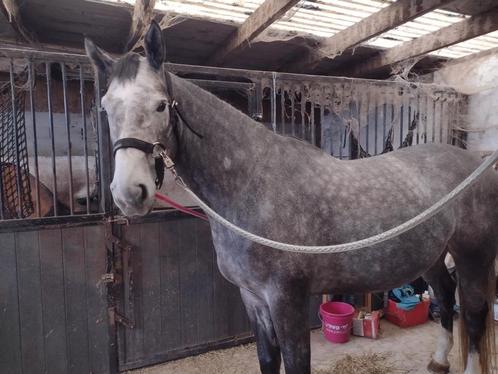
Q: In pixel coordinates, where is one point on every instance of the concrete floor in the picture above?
(405, 351)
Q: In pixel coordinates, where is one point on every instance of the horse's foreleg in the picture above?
(444, 288)
(262, 326)
(289, 313)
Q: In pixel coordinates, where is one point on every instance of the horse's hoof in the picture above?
(436, 367)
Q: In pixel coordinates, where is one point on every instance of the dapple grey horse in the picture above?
(289, 191)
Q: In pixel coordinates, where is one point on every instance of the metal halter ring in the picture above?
(158, 149)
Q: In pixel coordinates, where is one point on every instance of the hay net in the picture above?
(15, 196)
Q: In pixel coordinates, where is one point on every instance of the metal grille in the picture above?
(355, 118)
(50, 165)
(347, 117)
(14, 173)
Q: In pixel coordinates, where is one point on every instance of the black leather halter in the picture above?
(157, 149)
(153, 149)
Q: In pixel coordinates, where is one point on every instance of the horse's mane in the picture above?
(200, 104)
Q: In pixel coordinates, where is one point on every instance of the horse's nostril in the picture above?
(143, 194)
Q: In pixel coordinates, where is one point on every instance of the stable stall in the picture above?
(84, 289)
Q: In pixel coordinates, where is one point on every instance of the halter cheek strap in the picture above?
(157, 149)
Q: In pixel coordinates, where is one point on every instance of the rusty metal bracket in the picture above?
(108, 278)
(120, 220)
(123, 320)
(119, 277)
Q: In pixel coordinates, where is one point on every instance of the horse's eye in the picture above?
(161, 107)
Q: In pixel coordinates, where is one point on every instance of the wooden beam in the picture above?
(458, 32)
(384, 20)
(267, 13)
(12, 11)
(143, 13)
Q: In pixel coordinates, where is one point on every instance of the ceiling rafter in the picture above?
(472, 27)
(396, 14)
(257, 22)
(12, 11)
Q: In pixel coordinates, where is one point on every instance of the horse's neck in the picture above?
(230, 147)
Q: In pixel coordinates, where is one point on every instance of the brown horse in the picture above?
(9, 181)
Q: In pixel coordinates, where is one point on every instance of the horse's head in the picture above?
(137, 107)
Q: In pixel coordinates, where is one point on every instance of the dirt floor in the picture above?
(397, 351)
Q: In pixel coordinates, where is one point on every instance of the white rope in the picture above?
(367, 242)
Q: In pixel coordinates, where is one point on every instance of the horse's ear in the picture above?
(101, 61)
(154, 46)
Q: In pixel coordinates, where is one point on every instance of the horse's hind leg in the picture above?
(476, 283)
(266, 340)
(444, 288)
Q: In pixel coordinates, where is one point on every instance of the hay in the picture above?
(370, 363)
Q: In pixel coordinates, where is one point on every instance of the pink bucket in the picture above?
(336, 319)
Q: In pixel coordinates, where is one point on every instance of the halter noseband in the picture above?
(157, 149)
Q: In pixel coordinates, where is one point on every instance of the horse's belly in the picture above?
(375, 269)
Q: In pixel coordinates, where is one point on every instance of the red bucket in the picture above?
(337, 319)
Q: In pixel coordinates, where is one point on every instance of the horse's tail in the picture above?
(487, 348)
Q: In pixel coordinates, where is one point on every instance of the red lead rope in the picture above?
(181, 208)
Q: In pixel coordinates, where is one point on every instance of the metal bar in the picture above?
(257, 75)
(341, 131)
(434, 106)
(104, 145)
(85, 139)
(303, 116)
(274, 103)
(51, 222)
(68, 130)
(41, 56)
(293, 108)
(358, 118)
(384, 119)
(401, 120)
(258, 90)
(2, 124)
(204, 83)
(312, 121)
(418, 118)
(376, 136)
(81, 58)
(282, 110)
(441, 120)
(451, 119)
(323, 141)
(250, 103)
(367, 125)
(52, 135)
(392, 119)
(426, 128)
(409, 117)
(31, 78)
(16, 140)
(1, 191)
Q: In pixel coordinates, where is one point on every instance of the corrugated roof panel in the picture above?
(481, 43)
(422, 25)
(325, 18)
